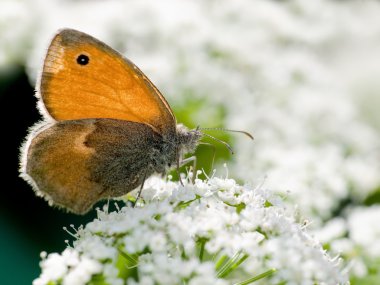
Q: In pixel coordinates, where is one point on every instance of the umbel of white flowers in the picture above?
(211, 232)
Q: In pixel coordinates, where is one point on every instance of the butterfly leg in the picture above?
(194, 160)
(183, 162)
(140, 191)
(186, 161)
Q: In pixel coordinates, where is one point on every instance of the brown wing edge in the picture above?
(23, 157)
(37, 90)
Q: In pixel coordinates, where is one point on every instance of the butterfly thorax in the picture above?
(174, 146)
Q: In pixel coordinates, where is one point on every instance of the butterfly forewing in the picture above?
(84, 78)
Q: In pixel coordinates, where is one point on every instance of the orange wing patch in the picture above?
(84, 78)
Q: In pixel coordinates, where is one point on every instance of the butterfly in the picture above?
(106, 127)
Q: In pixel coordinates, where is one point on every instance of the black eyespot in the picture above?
(83, 59)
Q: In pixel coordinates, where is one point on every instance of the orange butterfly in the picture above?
(107, 127)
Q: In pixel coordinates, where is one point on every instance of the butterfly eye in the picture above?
(83, 59)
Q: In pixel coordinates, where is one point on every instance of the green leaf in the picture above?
(184, 204)
(373, 198)
(98, 279)
(127, 264)
(267, 204)
(239, 207)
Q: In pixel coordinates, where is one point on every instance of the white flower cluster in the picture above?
(302, 76)
(70, 266)
(193, 235)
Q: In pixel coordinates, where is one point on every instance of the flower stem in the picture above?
(258, 277)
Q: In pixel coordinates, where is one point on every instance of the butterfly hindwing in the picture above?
(75, 163)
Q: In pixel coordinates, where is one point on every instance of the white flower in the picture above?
(53, 269)
(82, 272)
(198, 240)
(70, 267)
(95, 248)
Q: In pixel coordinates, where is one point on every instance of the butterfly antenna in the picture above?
(218, 140)
(227, 130)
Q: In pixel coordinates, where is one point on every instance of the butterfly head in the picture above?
(188, 139)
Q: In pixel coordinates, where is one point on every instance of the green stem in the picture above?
(258, 277)
(202, 248)
(231, 264)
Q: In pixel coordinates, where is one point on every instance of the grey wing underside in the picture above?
(75, 163)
